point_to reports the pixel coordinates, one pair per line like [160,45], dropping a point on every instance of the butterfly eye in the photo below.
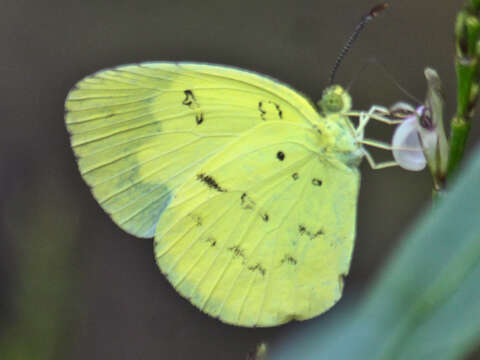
[335,99]
[406,136]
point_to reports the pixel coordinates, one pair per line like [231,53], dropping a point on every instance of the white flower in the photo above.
[407,136]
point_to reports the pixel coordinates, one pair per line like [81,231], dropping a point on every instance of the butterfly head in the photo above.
[335,99]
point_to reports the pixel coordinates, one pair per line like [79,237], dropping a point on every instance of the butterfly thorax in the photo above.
[338,133]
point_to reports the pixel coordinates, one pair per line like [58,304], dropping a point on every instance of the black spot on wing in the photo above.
[210,182]
[302,229]
[191,101]
[265,217]
[196,219]
[316,182]
[257,267]
[289,259]
[189,98]
[269,108]
[280,155]
[262,112]
[211,240]
[246,202]
[316,234]
[279,110]
[238,253]
[295,176]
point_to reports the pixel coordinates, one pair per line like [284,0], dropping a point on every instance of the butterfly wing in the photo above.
[140,131]
[263,231]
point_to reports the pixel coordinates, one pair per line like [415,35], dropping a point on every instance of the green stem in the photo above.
[460,129]
[467,31]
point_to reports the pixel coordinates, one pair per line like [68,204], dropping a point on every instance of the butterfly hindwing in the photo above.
[140,131]
[263,231]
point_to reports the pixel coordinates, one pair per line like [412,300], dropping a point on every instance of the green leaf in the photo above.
[426,303]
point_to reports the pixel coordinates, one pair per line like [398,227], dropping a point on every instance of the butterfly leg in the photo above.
[378,144]
[384,146]
[374,165]
[376,112]
[381,113]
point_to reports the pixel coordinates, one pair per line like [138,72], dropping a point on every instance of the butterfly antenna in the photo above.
[364,21]
[374,61]
[397,83]
[357,74]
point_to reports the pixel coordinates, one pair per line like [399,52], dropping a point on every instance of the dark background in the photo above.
[72,284]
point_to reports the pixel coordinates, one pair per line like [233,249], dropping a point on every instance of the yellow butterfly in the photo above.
[249,188]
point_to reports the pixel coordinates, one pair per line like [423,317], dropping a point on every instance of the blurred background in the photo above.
[72,284]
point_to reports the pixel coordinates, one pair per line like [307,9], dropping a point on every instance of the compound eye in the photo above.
[334,103]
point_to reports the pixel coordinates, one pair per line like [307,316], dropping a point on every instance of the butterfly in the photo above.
[248,188]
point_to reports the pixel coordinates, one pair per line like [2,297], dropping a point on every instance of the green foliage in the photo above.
[42,316]
[426,303]
[467,58]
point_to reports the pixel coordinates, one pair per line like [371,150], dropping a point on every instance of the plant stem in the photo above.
[467,30]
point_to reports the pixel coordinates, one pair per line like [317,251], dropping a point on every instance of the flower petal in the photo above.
[406,136]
